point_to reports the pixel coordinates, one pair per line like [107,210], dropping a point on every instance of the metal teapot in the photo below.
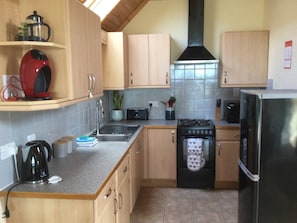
[37,29]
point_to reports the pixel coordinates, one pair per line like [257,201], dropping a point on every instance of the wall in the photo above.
[281,20]
[171,16]
[196,95]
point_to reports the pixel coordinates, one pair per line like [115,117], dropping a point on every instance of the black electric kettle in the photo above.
[37,29]
[34,165]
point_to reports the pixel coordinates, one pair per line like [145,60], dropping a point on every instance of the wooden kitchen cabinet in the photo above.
[244,59]
[123,192]
[136,169]
[104,205]
[85,51]
[161,154]
[227,155]
[115,61]
[15,12]
[149,60]
[66,50]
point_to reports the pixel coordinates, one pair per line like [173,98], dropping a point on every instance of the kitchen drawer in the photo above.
[228,134]
[105,195]
[122,170]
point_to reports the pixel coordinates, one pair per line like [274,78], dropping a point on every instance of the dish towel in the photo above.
[195,155]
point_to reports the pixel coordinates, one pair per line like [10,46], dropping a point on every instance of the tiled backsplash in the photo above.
[195,87]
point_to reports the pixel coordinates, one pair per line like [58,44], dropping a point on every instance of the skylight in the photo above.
[101,7]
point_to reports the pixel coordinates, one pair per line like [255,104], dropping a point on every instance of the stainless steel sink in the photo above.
[115,133]
[113,137]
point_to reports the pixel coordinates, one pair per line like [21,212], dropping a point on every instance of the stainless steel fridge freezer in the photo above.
[268,156]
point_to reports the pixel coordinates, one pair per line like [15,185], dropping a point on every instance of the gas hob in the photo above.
[198,123]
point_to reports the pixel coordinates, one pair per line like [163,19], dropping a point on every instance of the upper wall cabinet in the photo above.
[64,86]
[85,51]
[149,60]
[115,61]
[244,59]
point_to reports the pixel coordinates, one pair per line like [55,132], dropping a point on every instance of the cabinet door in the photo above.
[115,52]
[138,60]
[244,58]
[162,154]
[95,51]
[227,155]
[136,170]
[159,59]
[123,193]
[105,203]
[78,50]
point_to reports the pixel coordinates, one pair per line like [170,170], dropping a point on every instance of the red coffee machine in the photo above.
[35,75]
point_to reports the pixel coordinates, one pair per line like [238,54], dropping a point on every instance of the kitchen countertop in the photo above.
[85,171]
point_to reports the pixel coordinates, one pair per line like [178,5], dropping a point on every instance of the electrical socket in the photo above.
[154,103]
[31,137]
[8,150]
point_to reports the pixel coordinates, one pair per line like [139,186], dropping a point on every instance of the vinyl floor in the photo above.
[179,205]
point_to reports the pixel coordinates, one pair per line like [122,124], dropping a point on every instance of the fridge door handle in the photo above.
[252,177]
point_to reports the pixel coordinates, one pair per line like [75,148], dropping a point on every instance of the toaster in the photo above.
[137,114]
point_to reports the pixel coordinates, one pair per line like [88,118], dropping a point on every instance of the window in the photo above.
[100,7]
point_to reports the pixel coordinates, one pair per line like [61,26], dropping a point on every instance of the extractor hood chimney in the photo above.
[195,49]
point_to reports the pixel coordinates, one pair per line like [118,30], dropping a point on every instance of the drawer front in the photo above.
[106,194]
[229,135]
[122,170]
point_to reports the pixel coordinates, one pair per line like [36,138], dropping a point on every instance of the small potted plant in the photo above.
[22,34]
[117,112]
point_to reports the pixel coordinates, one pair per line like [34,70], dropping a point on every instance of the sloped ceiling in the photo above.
[121,15]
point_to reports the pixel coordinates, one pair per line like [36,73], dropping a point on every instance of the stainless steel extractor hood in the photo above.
[195,50]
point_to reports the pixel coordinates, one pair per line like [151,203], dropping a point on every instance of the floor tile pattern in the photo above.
[179,205]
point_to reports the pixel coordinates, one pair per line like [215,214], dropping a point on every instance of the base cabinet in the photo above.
[136,169]
[122,192]
[105,203]
[227,155]
[161,154]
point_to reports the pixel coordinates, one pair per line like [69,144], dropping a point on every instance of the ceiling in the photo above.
[121,14]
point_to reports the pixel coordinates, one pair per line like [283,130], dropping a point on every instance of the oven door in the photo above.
[202,178]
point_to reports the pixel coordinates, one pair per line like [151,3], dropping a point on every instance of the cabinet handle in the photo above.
[131,78]
[219,149]
[125,169]
[236,136]
[173,136]
[120,201]
[225,77]
[92,81]
[167,78]
[108,194]
[115,206]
